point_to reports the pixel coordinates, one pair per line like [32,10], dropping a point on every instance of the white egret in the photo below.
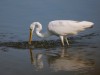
[61,28]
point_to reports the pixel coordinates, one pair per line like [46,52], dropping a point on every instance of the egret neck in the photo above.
[43,35]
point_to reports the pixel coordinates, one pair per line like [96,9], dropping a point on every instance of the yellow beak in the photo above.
[30,36]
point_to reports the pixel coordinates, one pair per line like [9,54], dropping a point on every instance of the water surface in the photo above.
[48,57]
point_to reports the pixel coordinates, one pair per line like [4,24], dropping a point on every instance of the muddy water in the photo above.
[48,56]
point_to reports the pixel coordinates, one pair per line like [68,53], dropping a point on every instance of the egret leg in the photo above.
[62,40]
[67,41]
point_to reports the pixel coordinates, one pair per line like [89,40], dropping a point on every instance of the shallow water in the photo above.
[47,56]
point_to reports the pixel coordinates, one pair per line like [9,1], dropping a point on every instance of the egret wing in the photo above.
[63,27]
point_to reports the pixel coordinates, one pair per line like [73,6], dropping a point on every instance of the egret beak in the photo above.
[30,37]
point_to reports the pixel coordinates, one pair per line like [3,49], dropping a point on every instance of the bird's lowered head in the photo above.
[32,27]
[37,25]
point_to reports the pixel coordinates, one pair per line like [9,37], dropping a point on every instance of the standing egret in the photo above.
[61,28]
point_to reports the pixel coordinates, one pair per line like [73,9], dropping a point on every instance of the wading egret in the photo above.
[60,28]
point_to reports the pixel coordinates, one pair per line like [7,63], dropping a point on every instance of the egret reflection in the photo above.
[36,59]
[60,59]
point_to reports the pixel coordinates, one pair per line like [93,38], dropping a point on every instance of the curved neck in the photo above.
[38,31]
[43,35]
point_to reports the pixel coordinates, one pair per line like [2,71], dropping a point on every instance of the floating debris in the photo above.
[35,44]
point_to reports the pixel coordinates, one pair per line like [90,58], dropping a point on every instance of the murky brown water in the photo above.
[47,56]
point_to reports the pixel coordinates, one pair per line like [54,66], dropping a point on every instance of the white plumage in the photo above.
[66,27]
[61,28]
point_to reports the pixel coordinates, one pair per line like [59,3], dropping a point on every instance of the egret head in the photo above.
[32,27]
